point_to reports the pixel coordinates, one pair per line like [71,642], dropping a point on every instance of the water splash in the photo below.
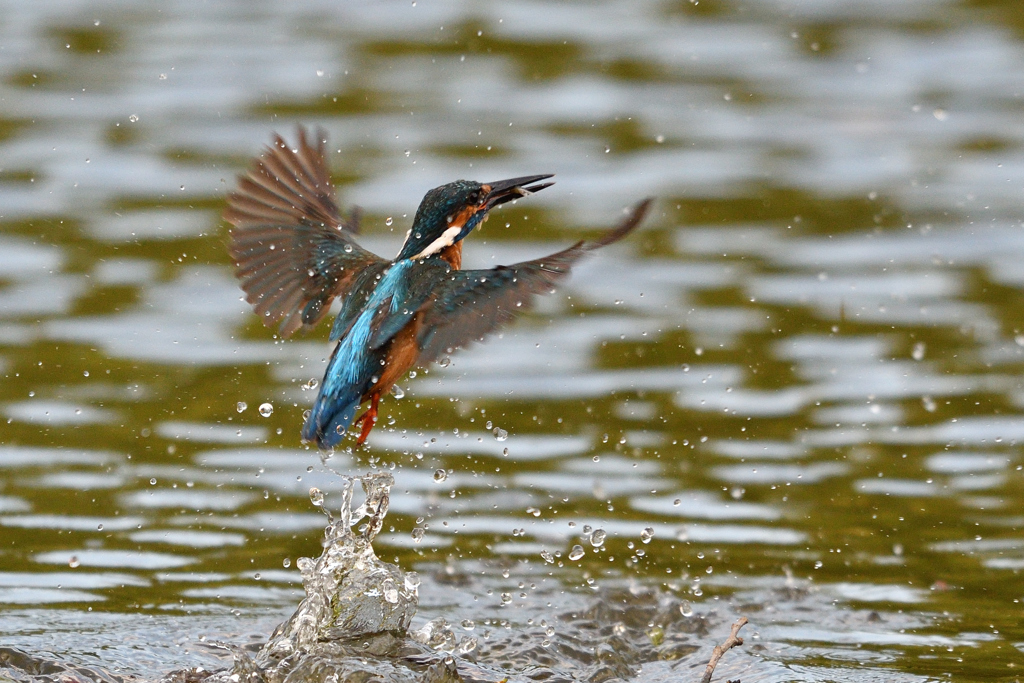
[350,593]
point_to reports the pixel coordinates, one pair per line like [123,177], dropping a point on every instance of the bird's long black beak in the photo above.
[506,190]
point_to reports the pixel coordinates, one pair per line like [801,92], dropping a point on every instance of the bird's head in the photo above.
[450,212]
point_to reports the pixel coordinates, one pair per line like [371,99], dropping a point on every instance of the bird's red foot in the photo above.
[368,420]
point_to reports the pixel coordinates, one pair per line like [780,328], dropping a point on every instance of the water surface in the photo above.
[802,374]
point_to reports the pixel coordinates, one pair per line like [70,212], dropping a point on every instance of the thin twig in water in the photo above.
[732,641]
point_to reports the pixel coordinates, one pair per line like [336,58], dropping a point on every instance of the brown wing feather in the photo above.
[293,251]
[472,303]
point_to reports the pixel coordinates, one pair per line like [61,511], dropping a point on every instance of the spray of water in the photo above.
[350,593]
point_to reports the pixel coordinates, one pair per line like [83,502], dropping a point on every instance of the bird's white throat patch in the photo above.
[446,239]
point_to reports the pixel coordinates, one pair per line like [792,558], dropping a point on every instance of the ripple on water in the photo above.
[860,413]
[744,402]
[873,592]
[520,447]
[20,258]
[125,271]
[188,539]
[155,224]
[132,559]
[703,505]
[260,522]
[907,488]
[211,433]
[53,295]
[258,595]
[42,596]
[58,413]
[187,499]
[73,522]
[28,457]
[612,463]
[75,579]
[591,384]
[772,473]
[963,462]
[284,459]
[14,504]
[774,450]
[574,483]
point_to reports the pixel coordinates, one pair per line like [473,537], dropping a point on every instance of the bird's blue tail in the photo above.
[329,420]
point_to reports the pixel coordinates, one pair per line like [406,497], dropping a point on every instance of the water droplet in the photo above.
[390,591]
[313,383]
[417,534]
[99,527]
[646,535]
[533,511]
[918,351]
[73,561]
[597,537]
[316,496]
[546,556]
[506,598]
[929,404]
[163,77]
[468,624]
[397,391]
[257,576]
[737,492]
[347,248]
[445,362]
[685,608]
[412,581]
[133,118]
[576,552]
[152,482]
[619,628]
[241,406]
[389,220]
[499,434]
[407,152]
[660,139]
[440,475]
[287,563]
[266,410]
[305,414]
[320,73]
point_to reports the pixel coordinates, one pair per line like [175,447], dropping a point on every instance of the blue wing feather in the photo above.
[388,303]
[416,284]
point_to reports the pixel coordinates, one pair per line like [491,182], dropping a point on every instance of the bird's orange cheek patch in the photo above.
[463,215]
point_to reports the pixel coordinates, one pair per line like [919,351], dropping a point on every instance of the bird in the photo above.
[295,253]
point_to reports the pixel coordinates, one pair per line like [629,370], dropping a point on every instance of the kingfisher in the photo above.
[295,253]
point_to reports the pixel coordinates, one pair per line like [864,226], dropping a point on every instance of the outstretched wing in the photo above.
[472,303]
[293,251]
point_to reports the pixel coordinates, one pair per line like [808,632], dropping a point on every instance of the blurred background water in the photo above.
[802,374]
